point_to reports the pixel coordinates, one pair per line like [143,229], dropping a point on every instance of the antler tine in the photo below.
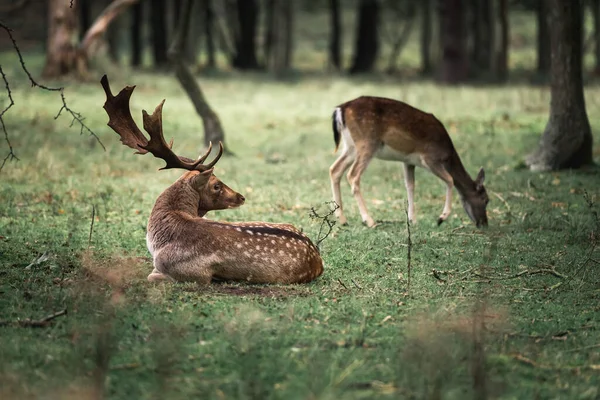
[201,158]
[213,162]
[120,119]
[157,145]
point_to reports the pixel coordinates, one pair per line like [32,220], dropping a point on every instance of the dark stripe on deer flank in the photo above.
[265,230]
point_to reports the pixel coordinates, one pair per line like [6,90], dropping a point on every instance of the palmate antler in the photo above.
[121,121]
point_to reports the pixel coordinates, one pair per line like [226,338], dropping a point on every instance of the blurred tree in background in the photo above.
[450,41]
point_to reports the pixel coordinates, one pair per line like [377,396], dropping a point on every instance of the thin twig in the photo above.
[37,323]
[325,221]
[502,200]
[92,225]
[356,284]
[77,117]
[342,283]
[550,271]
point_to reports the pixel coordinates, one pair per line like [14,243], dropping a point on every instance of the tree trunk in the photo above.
[483,33]
[367,41]
[426,35]
[502,59]
[209,18]
[567,139]
[595,5]
[137,24]
[213,131]
[543,39]
[398,43]
[269,29]
[85,17]
[454,68]
[61,52]
[158,19]
[335,39]
[280,37]
[245,41]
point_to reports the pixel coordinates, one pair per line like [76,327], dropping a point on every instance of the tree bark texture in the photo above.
[595,5]
[543,38]
[213,131]
[280,37]
[426,35]
[335,38]
[567,138]
[137,24]
[61,51]
[483,33]
[158,19]
[245,40]
[454,63]
[367,41]
[502,54]
[209,18]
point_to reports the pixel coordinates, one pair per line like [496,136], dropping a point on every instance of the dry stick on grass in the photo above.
[77,117]
[92,225]
[527,361]
[324,221]
[408,250]
[36,323]
[343,284]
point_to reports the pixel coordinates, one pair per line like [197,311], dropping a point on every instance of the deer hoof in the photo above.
[440,220]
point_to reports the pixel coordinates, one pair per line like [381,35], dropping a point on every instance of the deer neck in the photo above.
[462,180]
[179,197]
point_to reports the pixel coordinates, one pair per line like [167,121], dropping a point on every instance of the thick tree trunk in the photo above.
[567,139]
[245,41]
[426,35]
[280,37]
[158,18]
[502,59]
[61,52]
[213,131]
[209,17]
[367,41]
[543,38]
[335,38]
[137,24]
[454,68]
[483,30]
[595,5]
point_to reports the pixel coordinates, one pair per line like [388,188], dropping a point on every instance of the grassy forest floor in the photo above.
[516,305]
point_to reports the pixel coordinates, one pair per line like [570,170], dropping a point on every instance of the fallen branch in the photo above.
[36,323]
[529,362]
[550,271]
[356,284]
[343,284]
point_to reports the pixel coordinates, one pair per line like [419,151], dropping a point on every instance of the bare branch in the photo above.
[77,117]
[36,323]
[332,206]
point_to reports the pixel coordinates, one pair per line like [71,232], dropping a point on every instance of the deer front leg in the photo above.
[409,181]
[157,276]
[354,175]
[336,171]
[441,173]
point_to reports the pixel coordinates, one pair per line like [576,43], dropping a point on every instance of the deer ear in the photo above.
[201,179]
[480,178]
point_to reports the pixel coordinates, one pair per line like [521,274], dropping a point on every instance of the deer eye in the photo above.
[217,187]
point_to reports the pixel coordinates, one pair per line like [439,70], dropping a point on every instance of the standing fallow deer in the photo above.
[392,130]
[187,247]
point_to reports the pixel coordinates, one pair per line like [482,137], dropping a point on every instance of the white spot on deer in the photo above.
[250,232]
[238,245]
[257,247]
[281,252]
[287,244]
[272,250]
[259,234]
[238,229]
[272,242]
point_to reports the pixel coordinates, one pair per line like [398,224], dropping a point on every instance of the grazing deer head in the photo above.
[187,247]
[392,130]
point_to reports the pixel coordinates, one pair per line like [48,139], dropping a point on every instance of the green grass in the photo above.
[358,331]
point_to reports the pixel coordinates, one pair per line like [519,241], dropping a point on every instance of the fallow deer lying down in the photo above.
[392,130]
[187,247]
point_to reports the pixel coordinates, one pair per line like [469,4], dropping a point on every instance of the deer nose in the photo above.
[242,198]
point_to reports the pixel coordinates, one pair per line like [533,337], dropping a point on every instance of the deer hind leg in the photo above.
[409,181]
[157,276]
[443,174]
[356,170]
[336,171]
